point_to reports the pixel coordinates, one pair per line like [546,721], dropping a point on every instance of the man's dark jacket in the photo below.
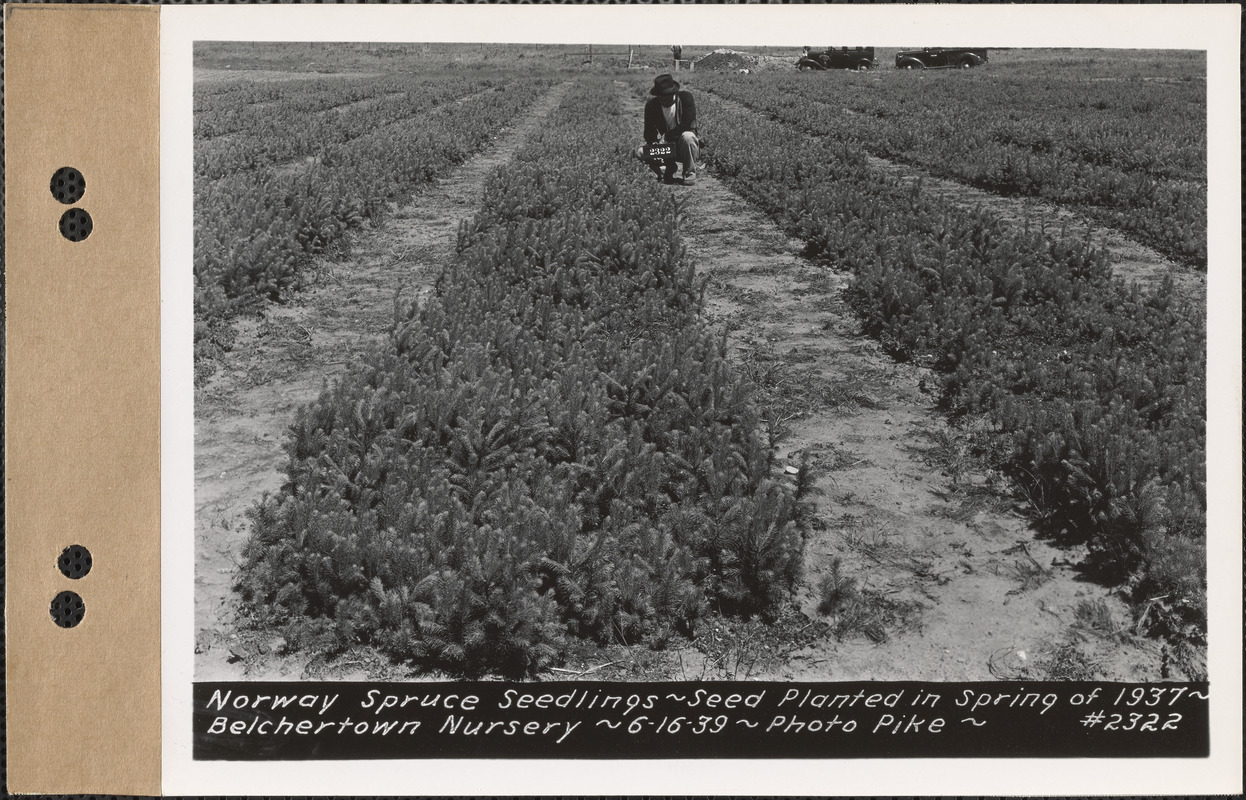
[655,120]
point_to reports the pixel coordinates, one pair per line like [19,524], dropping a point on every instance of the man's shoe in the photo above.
[690,179]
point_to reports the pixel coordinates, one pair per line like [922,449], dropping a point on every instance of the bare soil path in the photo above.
[283,360]
[949,581]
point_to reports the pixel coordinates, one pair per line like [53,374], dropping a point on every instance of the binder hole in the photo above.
[75,561]
[67,609]
[68,185]
[75,225]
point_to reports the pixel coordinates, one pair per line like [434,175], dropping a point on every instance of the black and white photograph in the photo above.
[700,361]
[889,365]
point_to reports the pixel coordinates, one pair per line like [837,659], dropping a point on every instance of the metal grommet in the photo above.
[75,225]
[67,609]
[75,561]
[68,185]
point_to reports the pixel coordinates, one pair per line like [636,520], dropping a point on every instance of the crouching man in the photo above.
[671,116]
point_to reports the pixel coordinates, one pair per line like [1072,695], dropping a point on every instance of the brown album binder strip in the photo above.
[82,401]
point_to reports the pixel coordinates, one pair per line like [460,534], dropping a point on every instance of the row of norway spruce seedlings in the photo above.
[551,448]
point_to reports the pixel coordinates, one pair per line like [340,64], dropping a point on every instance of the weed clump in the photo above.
[1065,662]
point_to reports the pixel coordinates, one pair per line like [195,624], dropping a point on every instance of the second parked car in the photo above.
[941,58]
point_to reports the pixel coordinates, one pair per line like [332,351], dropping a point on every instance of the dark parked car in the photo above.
[941,58]
[858,58]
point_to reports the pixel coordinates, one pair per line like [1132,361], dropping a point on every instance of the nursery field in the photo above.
[476,396]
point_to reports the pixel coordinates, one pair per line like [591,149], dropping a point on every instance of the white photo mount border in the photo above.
[1213,29]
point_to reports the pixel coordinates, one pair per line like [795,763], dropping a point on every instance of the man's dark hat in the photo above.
[664,84]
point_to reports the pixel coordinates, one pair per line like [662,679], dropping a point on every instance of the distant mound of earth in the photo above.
[724,59]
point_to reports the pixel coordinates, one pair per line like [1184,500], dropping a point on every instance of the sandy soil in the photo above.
[282,361]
